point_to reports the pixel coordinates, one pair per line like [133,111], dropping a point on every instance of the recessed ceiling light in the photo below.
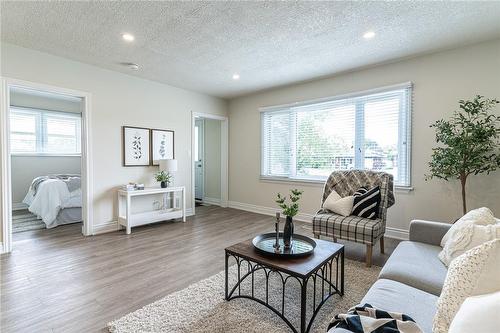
[130,65]
[369,35]
[236,76]
[128,37]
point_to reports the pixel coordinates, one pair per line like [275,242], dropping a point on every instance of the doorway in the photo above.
[209,160]
[45,156]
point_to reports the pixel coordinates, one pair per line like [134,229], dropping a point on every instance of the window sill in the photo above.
[44,155]
[317,182]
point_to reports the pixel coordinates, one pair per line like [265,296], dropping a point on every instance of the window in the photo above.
[34,131]
[309,140]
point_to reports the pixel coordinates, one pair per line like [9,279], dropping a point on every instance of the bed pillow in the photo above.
[475,272]
[335,203]
[478,314]
[367,202]
[480,216]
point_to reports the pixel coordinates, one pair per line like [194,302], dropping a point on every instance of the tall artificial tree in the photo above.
[469,143]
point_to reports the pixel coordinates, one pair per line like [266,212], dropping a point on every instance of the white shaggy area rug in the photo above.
[201,306]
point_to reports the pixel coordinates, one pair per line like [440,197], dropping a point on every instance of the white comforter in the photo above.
[52,195]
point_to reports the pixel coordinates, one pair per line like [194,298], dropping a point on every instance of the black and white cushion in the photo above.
[367,319]
[367,202]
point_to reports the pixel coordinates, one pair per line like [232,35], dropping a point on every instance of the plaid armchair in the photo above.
[355,228]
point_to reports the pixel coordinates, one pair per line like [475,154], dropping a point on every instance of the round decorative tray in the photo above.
[301,245]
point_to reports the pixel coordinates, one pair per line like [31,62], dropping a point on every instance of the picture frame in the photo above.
[162,145]
[136,146]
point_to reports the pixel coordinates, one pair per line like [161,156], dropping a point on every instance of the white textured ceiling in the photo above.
[199,45]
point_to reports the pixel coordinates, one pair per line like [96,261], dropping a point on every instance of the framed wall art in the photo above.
[136,146]
[162,145]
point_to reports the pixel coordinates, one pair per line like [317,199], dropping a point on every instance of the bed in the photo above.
[56,199]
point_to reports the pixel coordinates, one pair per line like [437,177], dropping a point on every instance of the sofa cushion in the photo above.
[417,265]
[351,228]
[394,296]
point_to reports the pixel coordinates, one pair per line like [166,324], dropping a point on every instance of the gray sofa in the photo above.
[412,279]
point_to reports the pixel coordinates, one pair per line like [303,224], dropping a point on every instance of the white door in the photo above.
[198,159]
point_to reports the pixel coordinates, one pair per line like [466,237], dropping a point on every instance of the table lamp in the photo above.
[169,166]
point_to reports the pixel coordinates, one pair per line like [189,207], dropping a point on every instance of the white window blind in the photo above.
[309,140]
[34,131]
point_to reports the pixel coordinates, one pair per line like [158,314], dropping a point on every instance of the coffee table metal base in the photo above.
[329,277]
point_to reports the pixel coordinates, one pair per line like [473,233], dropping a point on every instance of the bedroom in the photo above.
[45,142]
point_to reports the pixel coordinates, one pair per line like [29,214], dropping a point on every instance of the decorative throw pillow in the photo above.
[367,202]
[467,238]
[478,314]
[335,203]
[481,216]
[463,236]
[475,272]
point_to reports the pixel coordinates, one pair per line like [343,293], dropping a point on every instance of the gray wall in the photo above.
[117,99]
[25,168]
[28,99]
[440,80]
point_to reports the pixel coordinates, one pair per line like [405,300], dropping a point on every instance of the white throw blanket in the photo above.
[52,195]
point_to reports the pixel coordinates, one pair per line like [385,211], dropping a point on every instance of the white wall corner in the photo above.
[2,250]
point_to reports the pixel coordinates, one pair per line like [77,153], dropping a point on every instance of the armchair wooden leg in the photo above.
[369,250]
[382,249]
[335,239]
[316,236]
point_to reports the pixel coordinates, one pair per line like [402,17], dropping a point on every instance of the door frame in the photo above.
[201,136]
[224,156]
[5,157]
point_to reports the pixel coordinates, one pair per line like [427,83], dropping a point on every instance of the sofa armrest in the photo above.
[428,231]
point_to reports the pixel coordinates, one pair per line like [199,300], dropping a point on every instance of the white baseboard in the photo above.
[267,210]
[389,232]
[396,233]
[113,225]
[19,206]
[212,201]
[105,227]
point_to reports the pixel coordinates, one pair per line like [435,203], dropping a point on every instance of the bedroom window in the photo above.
[34,131]
[309,140]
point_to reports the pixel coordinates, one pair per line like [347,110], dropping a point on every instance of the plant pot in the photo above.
[288,232]
[163,184]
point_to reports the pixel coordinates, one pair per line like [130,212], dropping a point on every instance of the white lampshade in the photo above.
[168,165]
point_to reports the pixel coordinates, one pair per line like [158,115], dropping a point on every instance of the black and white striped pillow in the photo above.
[367,202]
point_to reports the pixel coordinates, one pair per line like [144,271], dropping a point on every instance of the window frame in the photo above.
[404,132]
[41,131]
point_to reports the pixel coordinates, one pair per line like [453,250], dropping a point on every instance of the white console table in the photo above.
[128,219]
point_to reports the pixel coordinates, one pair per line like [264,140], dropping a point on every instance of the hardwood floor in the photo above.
[59,281]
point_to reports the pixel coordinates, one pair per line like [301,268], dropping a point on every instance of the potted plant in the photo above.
[289,210]
[164,178]
[469,143]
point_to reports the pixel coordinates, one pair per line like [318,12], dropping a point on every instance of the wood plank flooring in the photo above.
[59,281]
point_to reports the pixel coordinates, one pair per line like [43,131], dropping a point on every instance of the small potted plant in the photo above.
[164,178]
[289,210]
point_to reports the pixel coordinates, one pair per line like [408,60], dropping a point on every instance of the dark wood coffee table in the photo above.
[324,268]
